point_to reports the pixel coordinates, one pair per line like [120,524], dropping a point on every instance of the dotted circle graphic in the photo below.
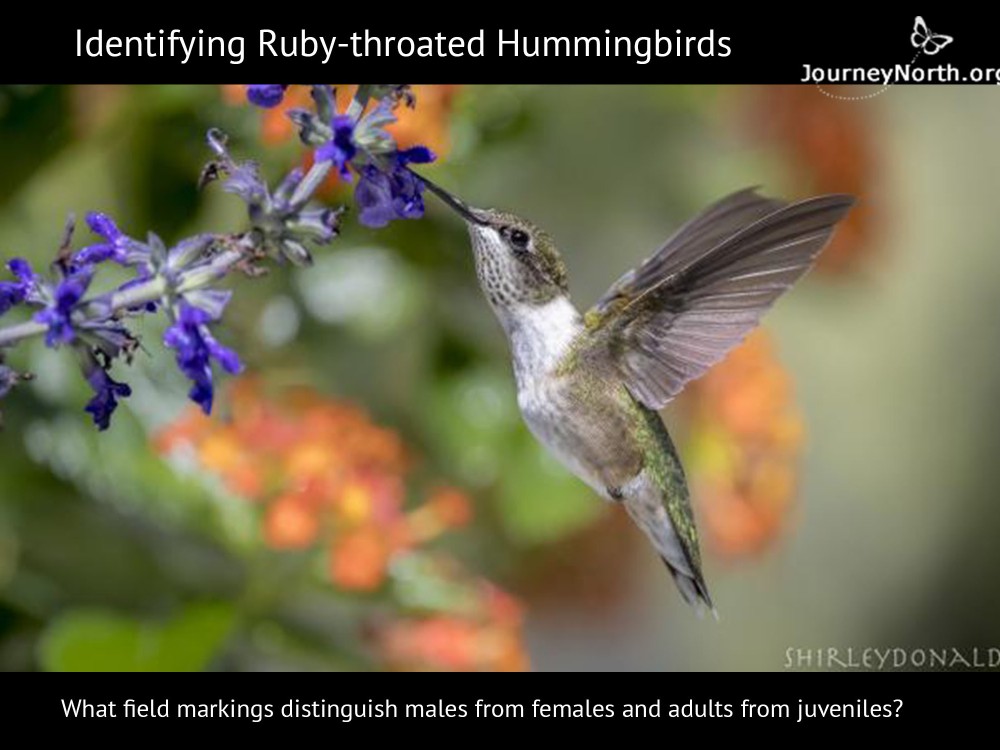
[862,97]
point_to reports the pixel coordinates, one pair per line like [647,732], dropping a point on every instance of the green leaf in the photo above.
[87,640]
[539,501]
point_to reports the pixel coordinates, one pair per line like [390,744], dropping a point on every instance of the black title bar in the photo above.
[375,705]
[506,45]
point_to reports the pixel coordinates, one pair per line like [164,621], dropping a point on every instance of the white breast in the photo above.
[540,337]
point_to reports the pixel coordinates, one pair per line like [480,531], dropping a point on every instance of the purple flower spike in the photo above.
[341,148]
[15,292]
[374,198]
[58,315]
[416,155]
[395,194]
[115,245]
[266,95]
[106,395]
[196,348]
[245,181]
[22,269]
[11,294]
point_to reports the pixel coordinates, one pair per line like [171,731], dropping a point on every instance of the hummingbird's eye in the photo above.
[518,238]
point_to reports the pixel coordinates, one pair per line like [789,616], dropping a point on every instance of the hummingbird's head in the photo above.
[516,262]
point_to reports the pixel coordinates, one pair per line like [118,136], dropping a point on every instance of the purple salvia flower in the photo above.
[212,302]
[188,252]
[415,155]
[318,224]
[284,225]
[15,292]
[58,315]
[109,337]
[244,180]
[340,149]
[24,272]
[393,194]
[116,246]
[196,348]
[374,198]
[370,133]
[106,395]
[266,95]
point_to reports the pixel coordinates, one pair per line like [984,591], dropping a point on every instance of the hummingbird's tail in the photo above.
[658,501]
[646,503]
[693,589]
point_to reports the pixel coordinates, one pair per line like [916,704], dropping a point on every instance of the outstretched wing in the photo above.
[677,314]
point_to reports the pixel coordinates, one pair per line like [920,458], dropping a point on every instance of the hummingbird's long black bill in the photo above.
[451,201]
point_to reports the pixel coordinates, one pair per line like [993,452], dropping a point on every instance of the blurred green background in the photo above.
[112,556]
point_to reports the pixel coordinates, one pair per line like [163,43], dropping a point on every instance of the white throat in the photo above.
[540,335]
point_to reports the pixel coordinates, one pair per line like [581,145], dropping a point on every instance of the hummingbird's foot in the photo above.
[615,493]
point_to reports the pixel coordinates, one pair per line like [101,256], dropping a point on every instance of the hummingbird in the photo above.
[590,385]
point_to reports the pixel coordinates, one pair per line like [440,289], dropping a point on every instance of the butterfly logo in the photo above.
[928,42]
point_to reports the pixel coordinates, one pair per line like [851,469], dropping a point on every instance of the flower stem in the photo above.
[10,335]
[140,294]
[313,179]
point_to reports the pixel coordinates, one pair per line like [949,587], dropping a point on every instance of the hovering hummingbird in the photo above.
[590,386]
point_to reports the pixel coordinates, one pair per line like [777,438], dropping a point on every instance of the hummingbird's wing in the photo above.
[666,322]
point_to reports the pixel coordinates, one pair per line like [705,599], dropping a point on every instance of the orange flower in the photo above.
[354,502]
[451,506]
[308,458]
[446,509]
[246,480]
[830,146]
[234,93]
[291,523]
[435,643]
[449,643]
[501,606]
[358,559]
[746,436]
[185,431]
[326,476]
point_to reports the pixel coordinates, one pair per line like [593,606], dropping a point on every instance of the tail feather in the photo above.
[693,589]
[657,501]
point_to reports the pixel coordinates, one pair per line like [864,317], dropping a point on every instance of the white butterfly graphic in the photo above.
[928,42]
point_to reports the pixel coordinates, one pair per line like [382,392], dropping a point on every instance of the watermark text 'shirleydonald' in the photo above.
[880,659]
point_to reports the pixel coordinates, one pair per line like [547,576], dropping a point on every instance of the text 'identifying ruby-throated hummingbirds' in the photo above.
[590,386]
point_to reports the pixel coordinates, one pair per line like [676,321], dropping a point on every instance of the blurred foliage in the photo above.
[114,555]
[94,641]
